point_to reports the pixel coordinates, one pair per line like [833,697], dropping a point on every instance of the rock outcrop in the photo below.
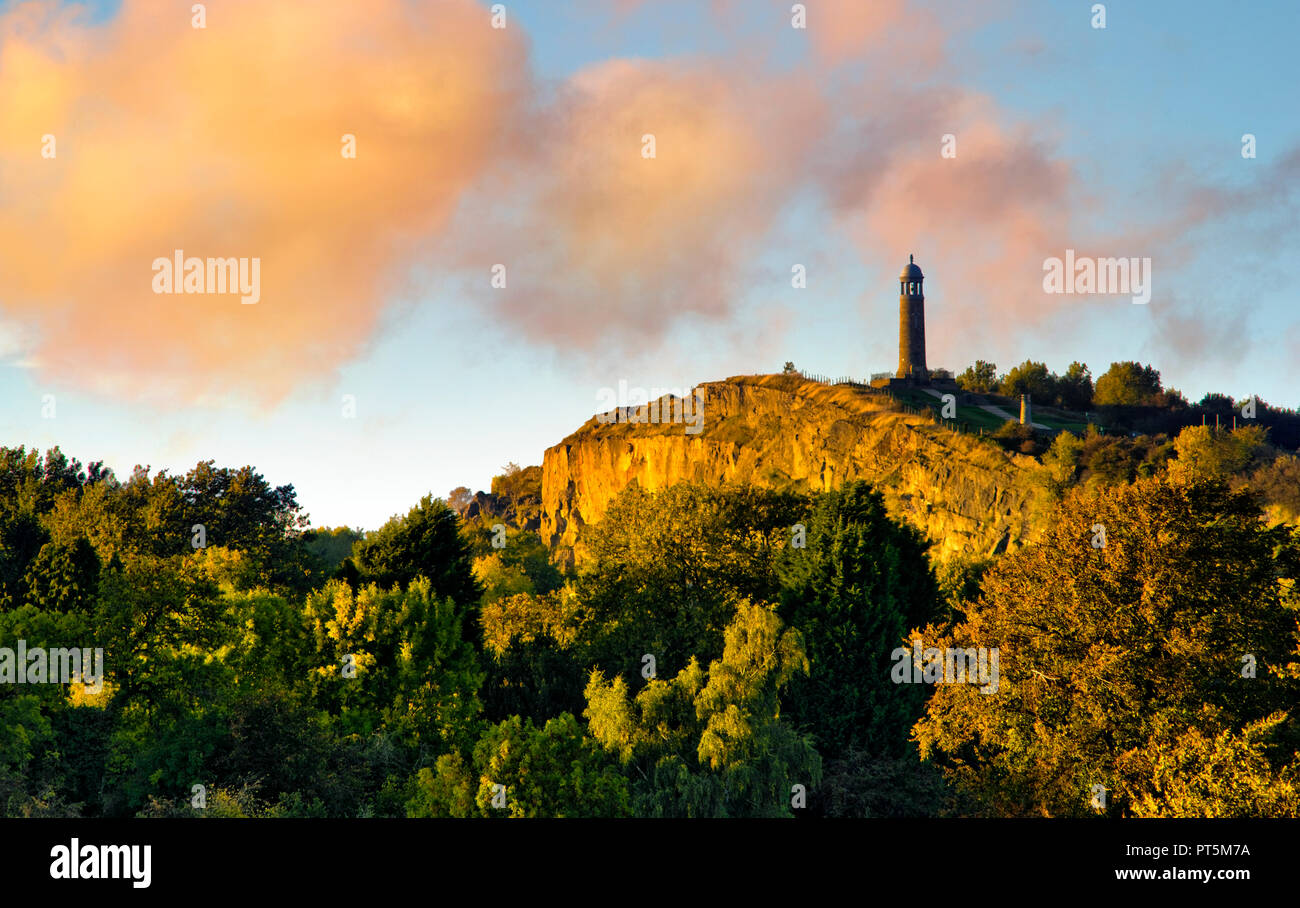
[781,431]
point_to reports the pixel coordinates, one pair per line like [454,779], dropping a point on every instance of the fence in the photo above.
[842,380]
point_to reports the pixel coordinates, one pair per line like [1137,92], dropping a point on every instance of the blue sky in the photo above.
[448,389]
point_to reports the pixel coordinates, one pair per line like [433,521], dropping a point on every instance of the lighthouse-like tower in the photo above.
[911,324]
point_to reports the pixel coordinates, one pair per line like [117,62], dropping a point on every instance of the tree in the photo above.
[64,577]
[1015,436]
[522,565]
[666,569]
[412,670]
[518,495]
[1029,378]
[854,592]
[1060,467]
[160,617]
[1074,389]
[22,539]
[30,481]
[425,543]
[1129,632]
[533,667]
[861,784]
[1128,384]
[459,498]
[980,378]
[557,770]
[1210,770]
[1116,459]
[331,546]
[1208,453]
[712,744]
[1279,482]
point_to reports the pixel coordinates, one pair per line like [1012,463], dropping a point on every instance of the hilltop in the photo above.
[787,432]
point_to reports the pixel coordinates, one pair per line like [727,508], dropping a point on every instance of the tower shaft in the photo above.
[911,333]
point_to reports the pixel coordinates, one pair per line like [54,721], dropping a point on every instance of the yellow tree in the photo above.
[1152,619]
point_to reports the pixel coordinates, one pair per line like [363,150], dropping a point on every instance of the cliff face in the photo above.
[784,432]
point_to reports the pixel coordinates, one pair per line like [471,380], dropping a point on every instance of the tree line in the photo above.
[718,651]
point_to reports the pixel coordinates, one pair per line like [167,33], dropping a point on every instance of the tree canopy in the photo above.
[1154,625]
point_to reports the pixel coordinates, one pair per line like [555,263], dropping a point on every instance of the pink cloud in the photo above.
[604,244]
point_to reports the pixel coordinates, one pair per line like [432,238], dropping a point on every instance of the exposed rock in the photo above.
[781,431]
[515,512]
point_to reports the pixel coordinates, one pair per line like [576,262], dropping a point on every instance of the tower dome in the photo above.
[911,271]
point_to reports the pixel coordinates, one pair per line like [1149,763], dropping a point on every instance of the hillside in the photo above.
[782,431]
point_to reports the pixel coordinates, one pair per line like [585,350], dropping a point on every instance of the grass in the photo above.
[974,417]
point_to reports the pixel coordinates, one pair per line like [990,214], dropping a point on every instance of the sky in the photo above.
[383,359]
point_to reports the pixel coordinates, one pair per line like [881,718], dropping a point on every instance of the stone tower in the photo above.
[911,324]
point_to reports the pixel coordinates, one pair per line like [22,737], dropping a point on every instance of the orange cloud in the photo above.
[226,141]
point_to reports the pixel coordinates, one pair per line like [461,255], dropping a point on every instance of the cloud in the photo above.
[604,244]
[845,30]
[1241,237]
[225,141]
[981,223]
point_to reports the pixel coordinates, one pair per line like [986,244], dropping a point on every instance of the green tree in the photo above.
[1029,378]
[160,617]
[396,659]
[22,538]
[534,670]
[64,577]
[854,592]
[557,770]
[1074,389]
[515,500]
[447,790]
[523,565]
[1128,384]
[712,743]
[427,542]
[331,546]
[1060,468]
[980,378]
[666,568]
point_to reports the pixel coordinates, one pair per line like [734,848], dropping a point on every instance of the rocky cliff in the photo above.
[785,432]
